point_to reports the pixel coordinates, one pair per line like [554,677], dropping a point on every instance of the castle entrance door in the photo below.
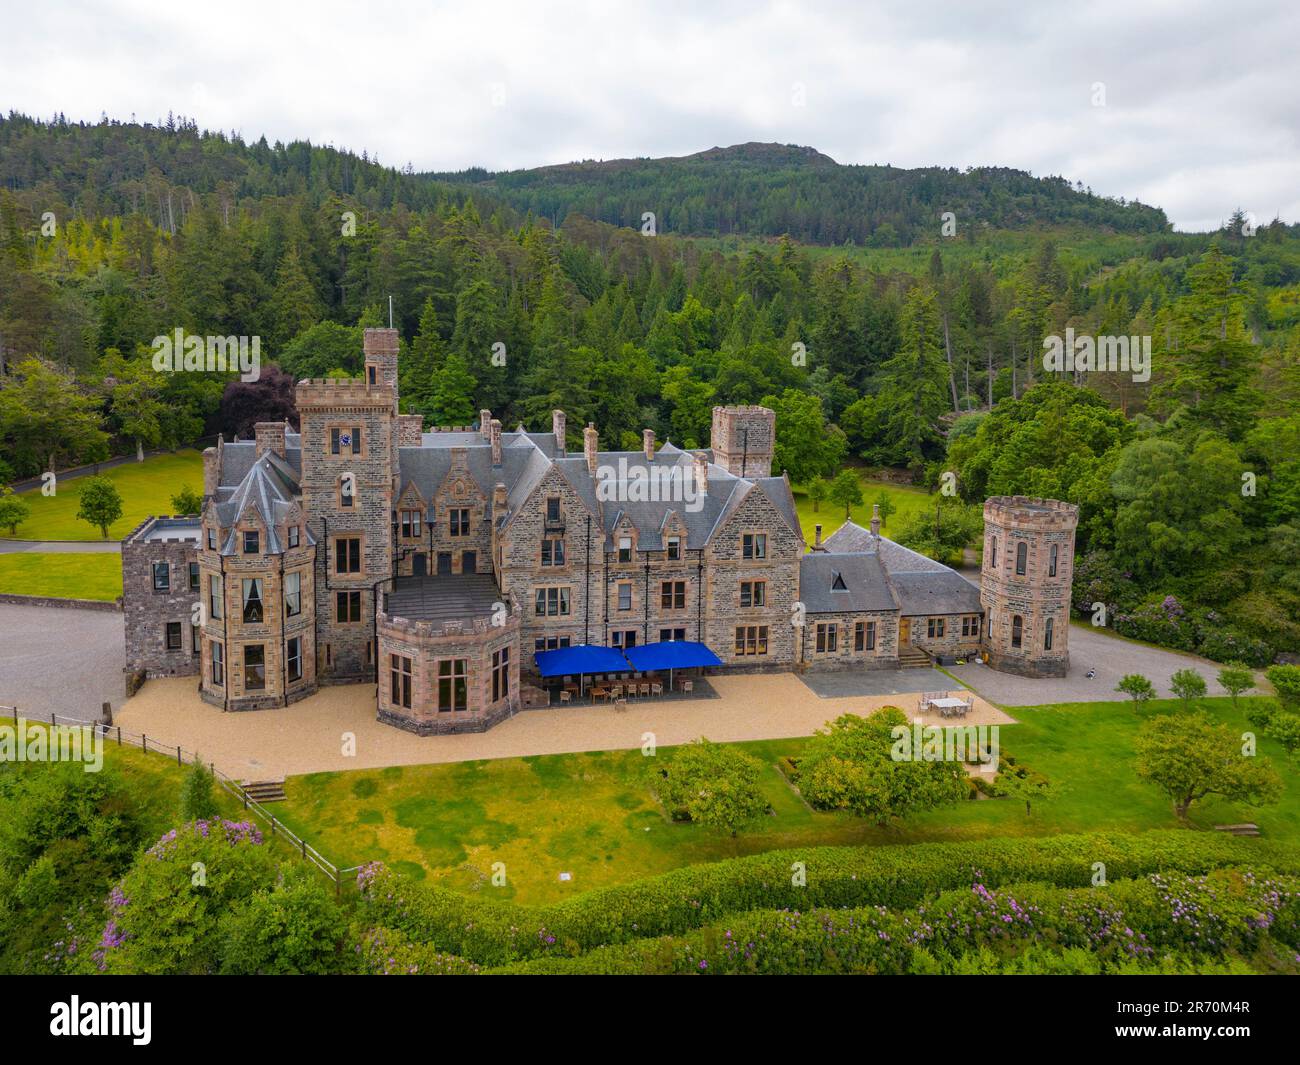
[904,632]
[420,564]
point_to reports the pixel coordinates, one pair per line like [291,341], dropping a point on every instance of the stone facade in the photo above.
[437,564]
[158,604]
[1025,584]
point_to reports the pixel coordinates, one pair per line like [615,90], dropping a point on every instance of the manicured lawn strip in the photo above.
[909,501]
[146,488]
[592,815]
[95,575]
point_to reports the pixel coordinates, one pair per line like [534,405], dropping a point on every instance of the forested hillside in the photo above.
[1189,482]
[773,189]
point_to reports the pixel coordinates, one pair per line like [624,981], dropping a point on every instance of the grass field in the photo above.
[592,815]
[95,575]
[146,488]
[909,501]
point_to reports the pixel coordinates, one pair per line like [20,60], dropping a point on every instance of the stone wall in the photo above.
[146,613]
[883,656]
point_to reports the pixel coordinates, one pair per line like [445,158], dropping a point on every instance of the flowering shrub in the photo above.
[496,933]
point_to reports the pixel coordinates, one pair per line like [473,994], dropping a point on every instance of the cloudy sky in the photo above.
[1192,106]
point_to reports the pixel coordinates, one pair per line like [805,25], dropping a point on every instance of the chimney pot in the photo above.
[875,519]
[648,442]
[817,535]
[557,428]
[591,447]
[495,437]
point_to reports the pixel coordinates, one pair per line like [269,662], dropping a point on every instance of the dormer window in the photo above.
[625,549]
[293,535]
[674,550]
[212,539]
[252,542]
[838,585]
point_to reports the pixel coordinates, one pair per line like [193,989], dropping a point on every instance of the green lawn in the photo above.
[592,815]
[146,488]
[909,501]
[95,575]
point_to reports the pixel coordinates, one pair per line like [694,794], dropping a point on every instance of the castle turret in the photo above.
[743,439]
[1025,584]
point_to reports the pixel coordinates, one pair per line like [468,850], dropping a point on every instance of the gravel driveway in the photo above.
[60,659]
[1111,656]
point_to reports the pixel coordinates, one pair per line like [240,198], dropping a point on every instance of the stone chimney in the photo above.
[591,447]
[269,437]
[410,430]
[700,465]
[875,520]
[494,435]
[485,423]
[648,443]
[817,537]
[211,471]
[498,501]
[557,429]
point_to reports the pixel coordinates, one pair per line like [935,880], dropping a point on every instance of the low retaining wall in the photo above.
[114,606]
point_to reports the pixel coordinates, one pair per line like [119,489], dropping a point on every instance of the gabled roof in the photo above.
[269,488]
[934,592]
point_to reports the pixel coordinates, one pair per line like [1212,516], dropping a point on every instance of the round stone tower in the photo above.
[1025,584]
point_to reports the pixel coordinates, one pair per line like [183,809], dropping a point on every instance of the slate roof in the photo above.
[917,584]
[445,598]
[269,485]
[865,587]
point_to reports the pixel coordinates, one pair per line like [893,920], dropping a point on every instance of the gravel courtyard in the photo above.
[309,736]
[61,660]
[1111,656]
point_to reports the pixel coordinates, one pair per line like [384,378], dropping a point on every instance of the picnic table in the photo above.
[949,707]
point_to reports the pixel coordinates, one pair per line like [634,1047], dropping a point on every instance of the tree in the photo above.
[1025,786]
[293,928]
[887,506]
[914,384]
[1190,756]
[846,491]
[187,501]
[452,401]
[1285,728]
[817,491]
[850,766]
[268,399]
[45,418]
[1187,684]
[1235,678]
[13,510]
[805,444]
[197,799]
[1136,687]
[101,504]
[715,784]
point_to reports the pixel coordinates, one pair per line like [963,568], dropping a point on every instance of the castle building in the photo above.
[436,565]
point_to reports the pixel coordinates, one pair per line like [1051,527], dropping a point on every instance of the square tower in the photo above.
[743,440]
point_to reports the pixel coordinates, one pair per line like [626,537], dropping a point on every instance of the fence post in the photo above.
[144,742]
[51,721]
[178,754]
[119,735]
[304,848]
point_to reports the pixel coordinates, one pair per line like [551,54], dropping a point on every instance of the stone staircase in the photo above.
[264,790]
[913,658]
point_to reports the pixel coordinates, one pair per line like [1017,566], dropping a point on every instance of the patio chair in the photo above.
[656,689]
[566,695]
[644,687]
[688,685]
[620,706]
[616,691]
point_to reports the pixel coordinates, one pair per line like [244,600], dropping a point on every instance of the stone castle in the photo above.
[436,565]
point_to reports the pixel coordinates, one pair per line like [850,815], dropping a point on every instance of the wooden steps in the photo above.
[264,790]
[1247,829]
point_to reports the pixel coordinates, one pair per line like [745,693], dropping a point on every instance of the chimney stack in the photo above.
[211,471]
[498,501]
[875,520]
[817,537]
[269,437]
[557,428]
[700,464]
[648,443]
[485,424]
[590,446]
[495,437]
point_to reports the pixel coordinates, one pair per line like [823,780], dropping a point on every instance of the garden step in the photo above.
[1247,829]
[264,790]
[912,658]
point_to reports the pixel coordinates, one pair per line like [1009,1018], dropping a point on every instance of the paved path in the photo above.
[1110,655]
[61,547]
[309,736]
[60,659]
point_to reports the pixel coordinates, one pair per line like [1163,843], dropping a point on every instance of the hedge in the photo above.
[489,932]
[1160,923]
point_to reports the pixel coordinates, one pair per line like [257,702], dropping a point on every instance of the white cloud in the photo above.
[1200,115]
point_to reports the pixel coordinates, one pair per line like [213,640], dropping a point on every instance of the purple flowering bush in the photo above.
[164,914]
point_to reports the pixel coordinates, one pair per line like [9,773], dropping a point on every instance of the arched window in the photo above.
[993,551]
[1022,557]
[1017,630]
[1047,635]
